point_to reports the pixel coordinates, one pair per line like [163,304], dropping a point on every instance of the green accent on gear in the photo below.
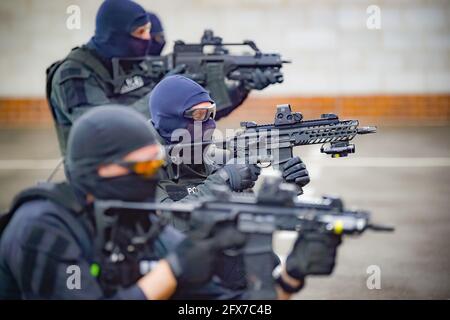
[95,270]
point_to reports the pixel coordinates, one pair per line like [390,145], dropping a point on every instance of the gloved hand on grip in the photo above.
[193,261]
[260,79]
[295,171]
[314,253]
[240,176]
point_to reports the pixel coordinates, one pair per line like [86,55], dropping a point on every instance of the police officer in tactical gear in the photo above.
[50,229]
[87,77]
[180,105]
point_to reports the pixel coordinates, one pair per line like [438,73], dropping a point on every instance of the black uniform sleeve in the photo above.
[51,265]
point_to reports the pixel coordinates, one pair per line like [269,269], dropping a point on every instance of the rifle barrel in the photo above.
[367,130]
[380,227]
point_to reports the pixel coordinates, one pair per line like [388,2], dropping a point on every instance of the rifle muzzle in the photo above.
[367,130]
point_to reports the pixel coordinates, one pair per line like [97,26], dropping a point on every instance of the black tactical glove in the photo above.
[314,253]
[260,79]
[192,262]
[240,176]
[295,171]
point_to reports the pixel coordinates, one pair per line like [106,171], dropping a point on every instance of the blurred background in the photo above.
[385,62]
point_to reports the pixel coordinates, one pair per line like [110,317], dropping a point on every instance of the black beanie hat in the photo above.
[103,135]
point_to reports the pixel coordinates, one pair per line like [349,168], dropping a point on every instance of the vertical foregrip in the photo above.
[259,262]
[280,156]
[283,156]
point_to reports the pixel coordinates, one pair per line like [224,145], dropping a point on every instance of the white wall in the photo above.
[332,49]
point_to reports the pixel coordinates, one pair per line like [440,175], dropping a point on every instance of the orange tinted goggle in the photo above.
[144,168]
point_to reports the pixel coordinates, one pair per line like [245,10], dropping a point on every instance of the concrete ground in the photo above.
[400,174]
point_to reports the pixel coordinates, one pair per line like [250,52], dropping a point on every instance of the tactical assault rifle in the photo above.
[273,143]
[274,207]
[209,63]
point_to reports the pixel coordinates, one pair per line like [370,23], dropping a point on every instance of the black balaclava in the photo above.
[103,135]
[168,101]
[157,41]
[115,21]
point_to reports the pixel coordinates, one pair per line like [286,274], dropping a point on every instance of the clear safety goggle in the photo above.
[201,114]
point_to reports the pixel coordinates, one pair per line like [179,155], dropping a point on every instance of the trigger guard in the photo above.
[262,166]
[233,252]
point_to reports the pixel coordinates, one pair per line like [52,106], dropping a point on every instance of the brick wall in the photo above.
[387,110]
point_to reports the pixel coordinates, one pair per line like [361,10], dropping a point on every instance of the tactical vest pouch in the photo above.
[59,246]
[84,57]
[73,73]
[176,193]
[61,194]
[181,189]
